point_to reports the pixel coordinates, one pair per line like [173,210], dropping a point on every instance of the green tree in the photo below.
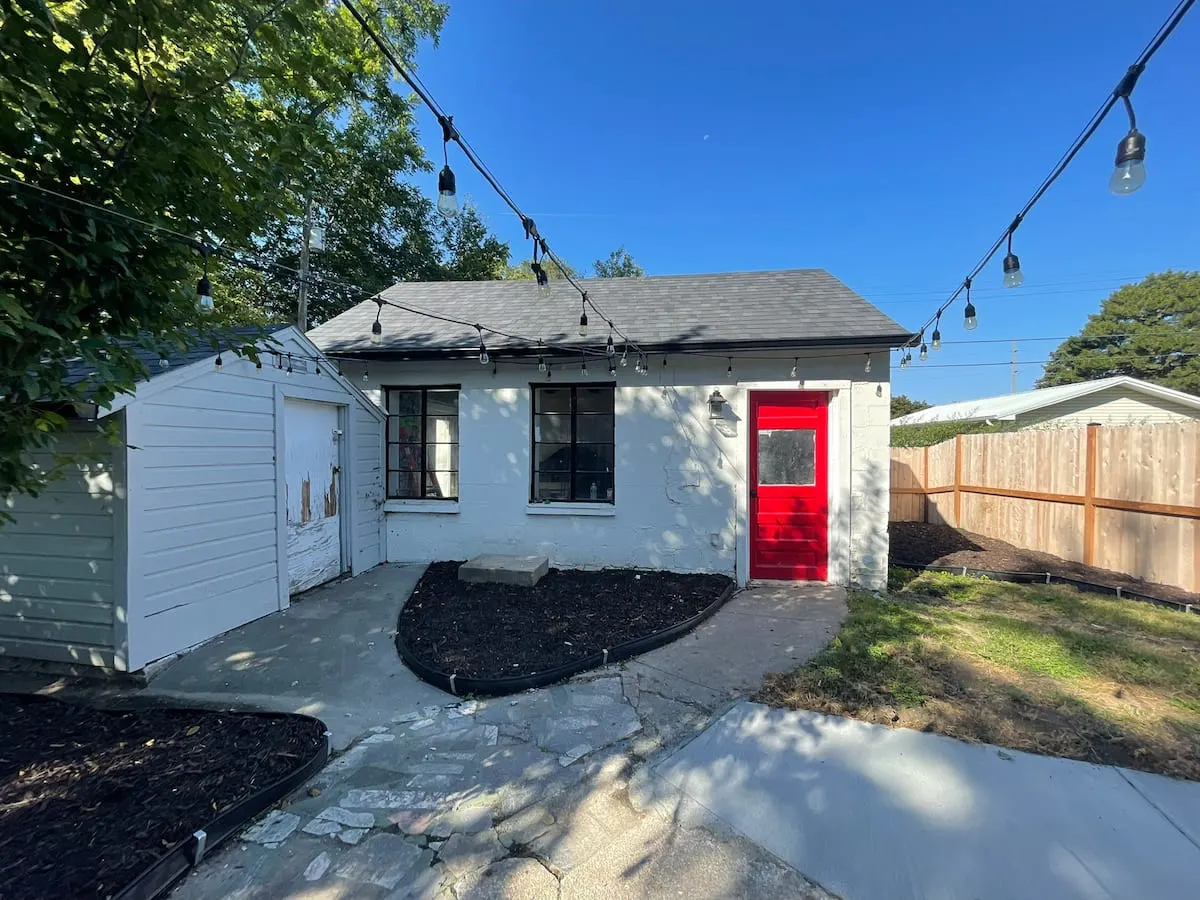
[902,405]
[1150,330]
[212,117]
[619,264]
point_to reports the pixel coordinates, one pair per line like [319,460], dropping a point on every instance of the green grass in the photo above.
[1036,667]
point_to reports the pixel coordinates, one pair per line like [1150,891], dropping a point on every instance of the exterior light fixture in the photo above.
[1130,171]
[716,405]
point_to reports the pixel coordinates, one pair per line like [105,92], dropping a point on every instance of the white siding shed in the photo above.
[200,518]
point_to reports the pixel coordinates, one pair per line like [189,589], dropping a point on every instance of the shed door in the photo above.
[314,532]
[789,485]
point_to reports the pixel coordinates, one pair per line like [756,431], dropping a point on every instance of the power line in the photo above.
[1121,93]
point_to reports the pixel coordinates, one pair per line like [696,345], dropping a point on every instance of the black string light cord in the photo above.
[450,133]
[1120,94]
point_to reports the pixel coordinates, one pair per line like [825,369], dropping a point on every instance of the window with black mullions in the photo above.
[573,443]
[422,443]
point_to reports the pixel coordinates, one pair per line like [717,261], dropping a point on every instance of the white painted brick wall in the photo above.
[680,478]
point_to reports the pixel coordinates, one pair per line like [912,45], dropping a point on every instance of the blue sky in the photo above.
[888,143]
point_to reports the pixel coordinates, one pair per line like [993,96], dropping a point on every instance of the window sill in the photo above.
[421,506]
[570,509]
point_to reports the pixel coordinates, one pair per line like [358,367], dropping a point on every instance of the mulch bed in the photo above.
[502,631]
[88,799]
[940,545]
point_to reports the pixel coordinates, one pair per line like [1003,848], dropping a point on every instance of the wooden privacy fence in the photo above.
[1124,498]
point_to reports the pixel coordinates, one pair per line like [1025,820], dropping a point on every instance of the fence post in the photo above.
[958,481]
[1089,494]
[925,487]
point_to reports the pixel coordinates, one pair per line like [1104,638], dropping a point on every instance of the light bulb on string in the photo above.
[625,355]
[867,367]
[376,332]
[366,376]
[204,297]
[1130,171]
[924,354]
[583,323]
[541,363]
[936,340]
[729,369]
[612,370]
[484,359]
[218,361]
[164,363]
[447,203]
[289,367]
[970,320]
[795,366]
[583,368]
[1013,276]
[904,360]
[611,348]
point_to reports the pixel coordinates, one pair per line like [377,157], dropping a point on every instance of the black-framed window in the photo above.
[573,443]
[422,442]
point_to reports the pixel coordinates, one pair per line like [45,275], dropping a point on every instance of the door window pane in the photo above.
[787,456]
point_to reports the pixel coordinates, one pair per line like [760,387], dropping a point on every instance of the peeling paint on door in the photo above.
[314,534]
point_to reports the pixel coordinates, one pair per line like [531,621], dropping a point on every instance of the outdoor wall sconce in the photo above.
[716,405]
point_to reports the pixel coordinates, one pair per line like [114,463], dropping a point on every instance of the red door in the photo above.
[789,485]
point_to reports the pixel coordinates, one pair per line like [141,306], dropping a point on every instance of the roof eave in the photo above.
[875,342]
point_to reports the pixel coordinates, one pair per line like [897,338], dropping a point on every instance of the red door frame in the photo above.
[789,524]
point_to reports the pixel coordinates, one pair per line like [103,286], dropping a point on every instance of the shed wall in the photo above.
[1115,406]
[58,579]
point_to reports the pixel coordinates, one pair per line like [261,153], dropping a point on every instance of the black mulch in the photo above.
[502,631]
[88,799]
[940,545]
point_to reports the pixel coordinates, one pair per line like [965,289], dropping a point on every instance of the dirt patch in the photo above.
[502,631]
[88,799]
[924,544]
[1047,670]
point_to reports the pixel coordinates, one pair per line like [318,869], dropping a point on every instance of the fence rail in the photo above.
[1125,499]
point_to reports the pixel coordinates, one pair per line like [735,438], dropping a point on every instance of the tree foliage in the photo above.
[930,433]
[522,271]
[1149,330]
[619,264]
[216,119]
[902,405]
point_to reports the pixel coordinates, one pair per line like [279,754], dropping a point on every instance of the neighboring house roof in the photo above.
[1008,406]
[738,310]
[78,370]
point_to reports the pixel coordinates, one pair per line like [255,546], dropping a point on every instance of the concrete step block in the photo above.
[525,571]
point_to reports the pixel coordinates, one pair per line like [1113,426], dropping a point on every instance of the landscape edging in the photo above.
[451,683]
[165,871]
[1049,578]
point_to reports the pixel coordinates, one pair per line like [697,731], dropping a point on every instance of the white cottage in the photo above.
[232,487]
[751,438]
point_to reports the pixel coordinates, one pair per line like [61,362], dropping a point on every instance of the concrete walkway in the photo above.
[521,797]
[873,812]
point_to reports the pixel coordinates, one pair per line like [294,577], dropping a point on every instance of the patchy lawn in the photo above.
[1045,669]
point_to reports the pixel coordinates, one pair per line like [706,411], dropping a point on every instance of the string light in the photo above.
[289,368]
[164,363]
[795,365]
[625,355]
[729,368]
[1129,175]
[867,367]
[583,367]
[612,370]
[924,353]
[218,361]
[366,376]
[937,334]
[583,316]
[1130,171]
[611,348]
[904,360]
[447,195]
[377,326]
[970,320]
[204,297]
[1013,277]
[483,354]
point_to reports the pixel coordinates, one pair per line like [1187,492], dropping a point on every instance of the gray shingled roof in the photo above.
[795,309]
[78,370]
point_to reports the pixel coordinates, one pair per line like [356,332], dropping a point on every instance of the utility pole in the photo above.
[1014,367]
[302,309]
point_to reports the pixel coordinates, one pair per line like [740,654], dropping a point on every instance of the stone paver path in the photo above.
[540,795]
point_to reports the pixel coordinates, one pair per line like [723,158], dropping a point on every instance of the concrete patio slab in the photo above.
[330,654]
[869,812]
